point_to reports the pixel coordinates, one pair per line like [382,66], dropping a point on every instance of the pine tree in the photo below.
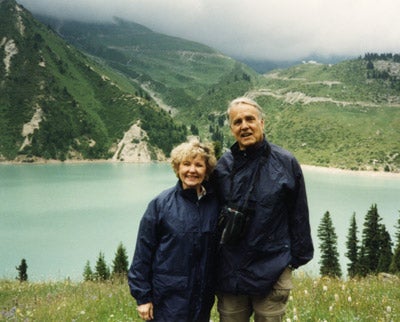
[385,250]
[352,248]
[102,270]
[395,263]
[88,273]
[120,263]
[329,255]
[371,242]
[22,271]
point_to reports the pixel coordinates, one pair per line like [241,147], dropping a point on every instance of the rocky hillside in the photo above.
[56,103]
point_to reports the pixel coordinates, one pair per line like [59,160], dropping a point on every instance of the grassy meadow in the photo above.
[375,298]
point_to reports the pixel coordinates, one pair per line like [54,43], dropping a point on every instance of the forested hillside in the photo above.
[190,80]
[61,102]
[56,103]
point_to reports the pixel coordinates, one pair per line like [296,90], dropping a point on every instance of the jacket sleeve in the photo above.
[302,249]
[140,272]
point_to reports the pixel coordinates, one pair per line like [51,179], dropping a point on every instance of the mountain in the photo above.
[57,103]
[174,71]
[344,115]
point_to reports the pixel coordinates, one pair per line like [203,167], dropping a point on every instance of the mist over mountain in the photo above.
[257,30]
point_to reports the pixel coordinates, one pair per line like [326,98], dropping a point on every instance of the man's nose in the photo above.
[244,125]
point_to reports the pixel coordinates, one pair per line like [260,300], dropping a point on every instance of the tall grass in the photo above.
[375,298]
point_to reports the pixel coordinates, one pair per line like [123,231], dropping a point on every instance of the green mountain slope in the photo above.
[56,103]
[177,70]
[344,115]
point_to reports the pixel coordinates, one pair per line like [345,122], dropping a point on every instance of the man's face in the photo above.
[246,123]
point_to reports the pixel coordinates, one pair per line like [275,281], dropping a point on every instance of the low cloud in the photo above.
[253,29]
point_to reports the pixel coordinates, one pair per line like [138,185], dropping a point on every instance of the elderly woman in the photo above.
[171,276]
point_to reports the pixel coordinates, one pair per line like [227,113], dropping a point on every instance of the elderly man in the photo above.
[265,222]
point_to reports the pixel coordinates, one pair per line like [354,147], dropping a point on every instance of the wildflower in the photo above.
[331,308]
[349,299]
[324,288]
[82,312]
[288,320]
[291,298]
[295,318]
[343,287]
[388,309]
[305,292]
[336,297]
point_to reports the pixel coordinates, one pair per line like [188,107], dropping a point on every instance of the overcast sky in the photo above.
[256,29]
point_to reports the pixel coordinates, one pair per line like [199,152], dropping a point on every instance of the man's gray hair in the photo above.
[244,100]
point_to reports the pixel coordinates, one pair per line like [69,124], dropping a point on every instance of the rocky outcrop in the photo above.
[134,147]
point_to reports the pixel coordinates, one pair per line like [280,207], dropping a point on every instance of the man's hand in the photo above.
[146,311]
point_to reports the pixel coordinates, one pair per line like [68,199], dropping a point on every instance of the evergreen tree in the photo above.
[395,263]
[88,273]
[352,248]
[22,271]
[194,129]
[329,255]
[102,271]
[120,263]
[371,242]
[385,250]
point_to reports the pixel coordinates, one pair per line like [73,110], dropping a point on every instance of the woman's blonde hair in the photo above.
[190,150]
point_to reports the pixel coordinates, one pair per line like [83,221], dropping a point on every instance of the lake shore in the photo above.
[353,172]
[303,166]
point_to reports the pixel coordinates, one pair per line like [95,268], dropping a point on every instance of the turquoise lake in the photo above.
[58,216]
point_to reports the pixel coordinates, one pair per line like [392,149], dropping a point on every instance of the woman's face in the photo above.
[192,172]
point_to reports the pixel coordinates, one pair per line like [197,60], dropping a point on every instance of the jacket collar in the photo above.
[191,194]
[259,149]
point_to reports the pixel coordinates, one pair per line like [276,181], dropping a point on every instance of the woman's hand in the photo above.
[146,311]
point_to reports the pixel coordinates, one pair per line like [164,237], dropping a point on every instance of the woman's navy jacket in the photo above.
[279,233]
[173,264]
